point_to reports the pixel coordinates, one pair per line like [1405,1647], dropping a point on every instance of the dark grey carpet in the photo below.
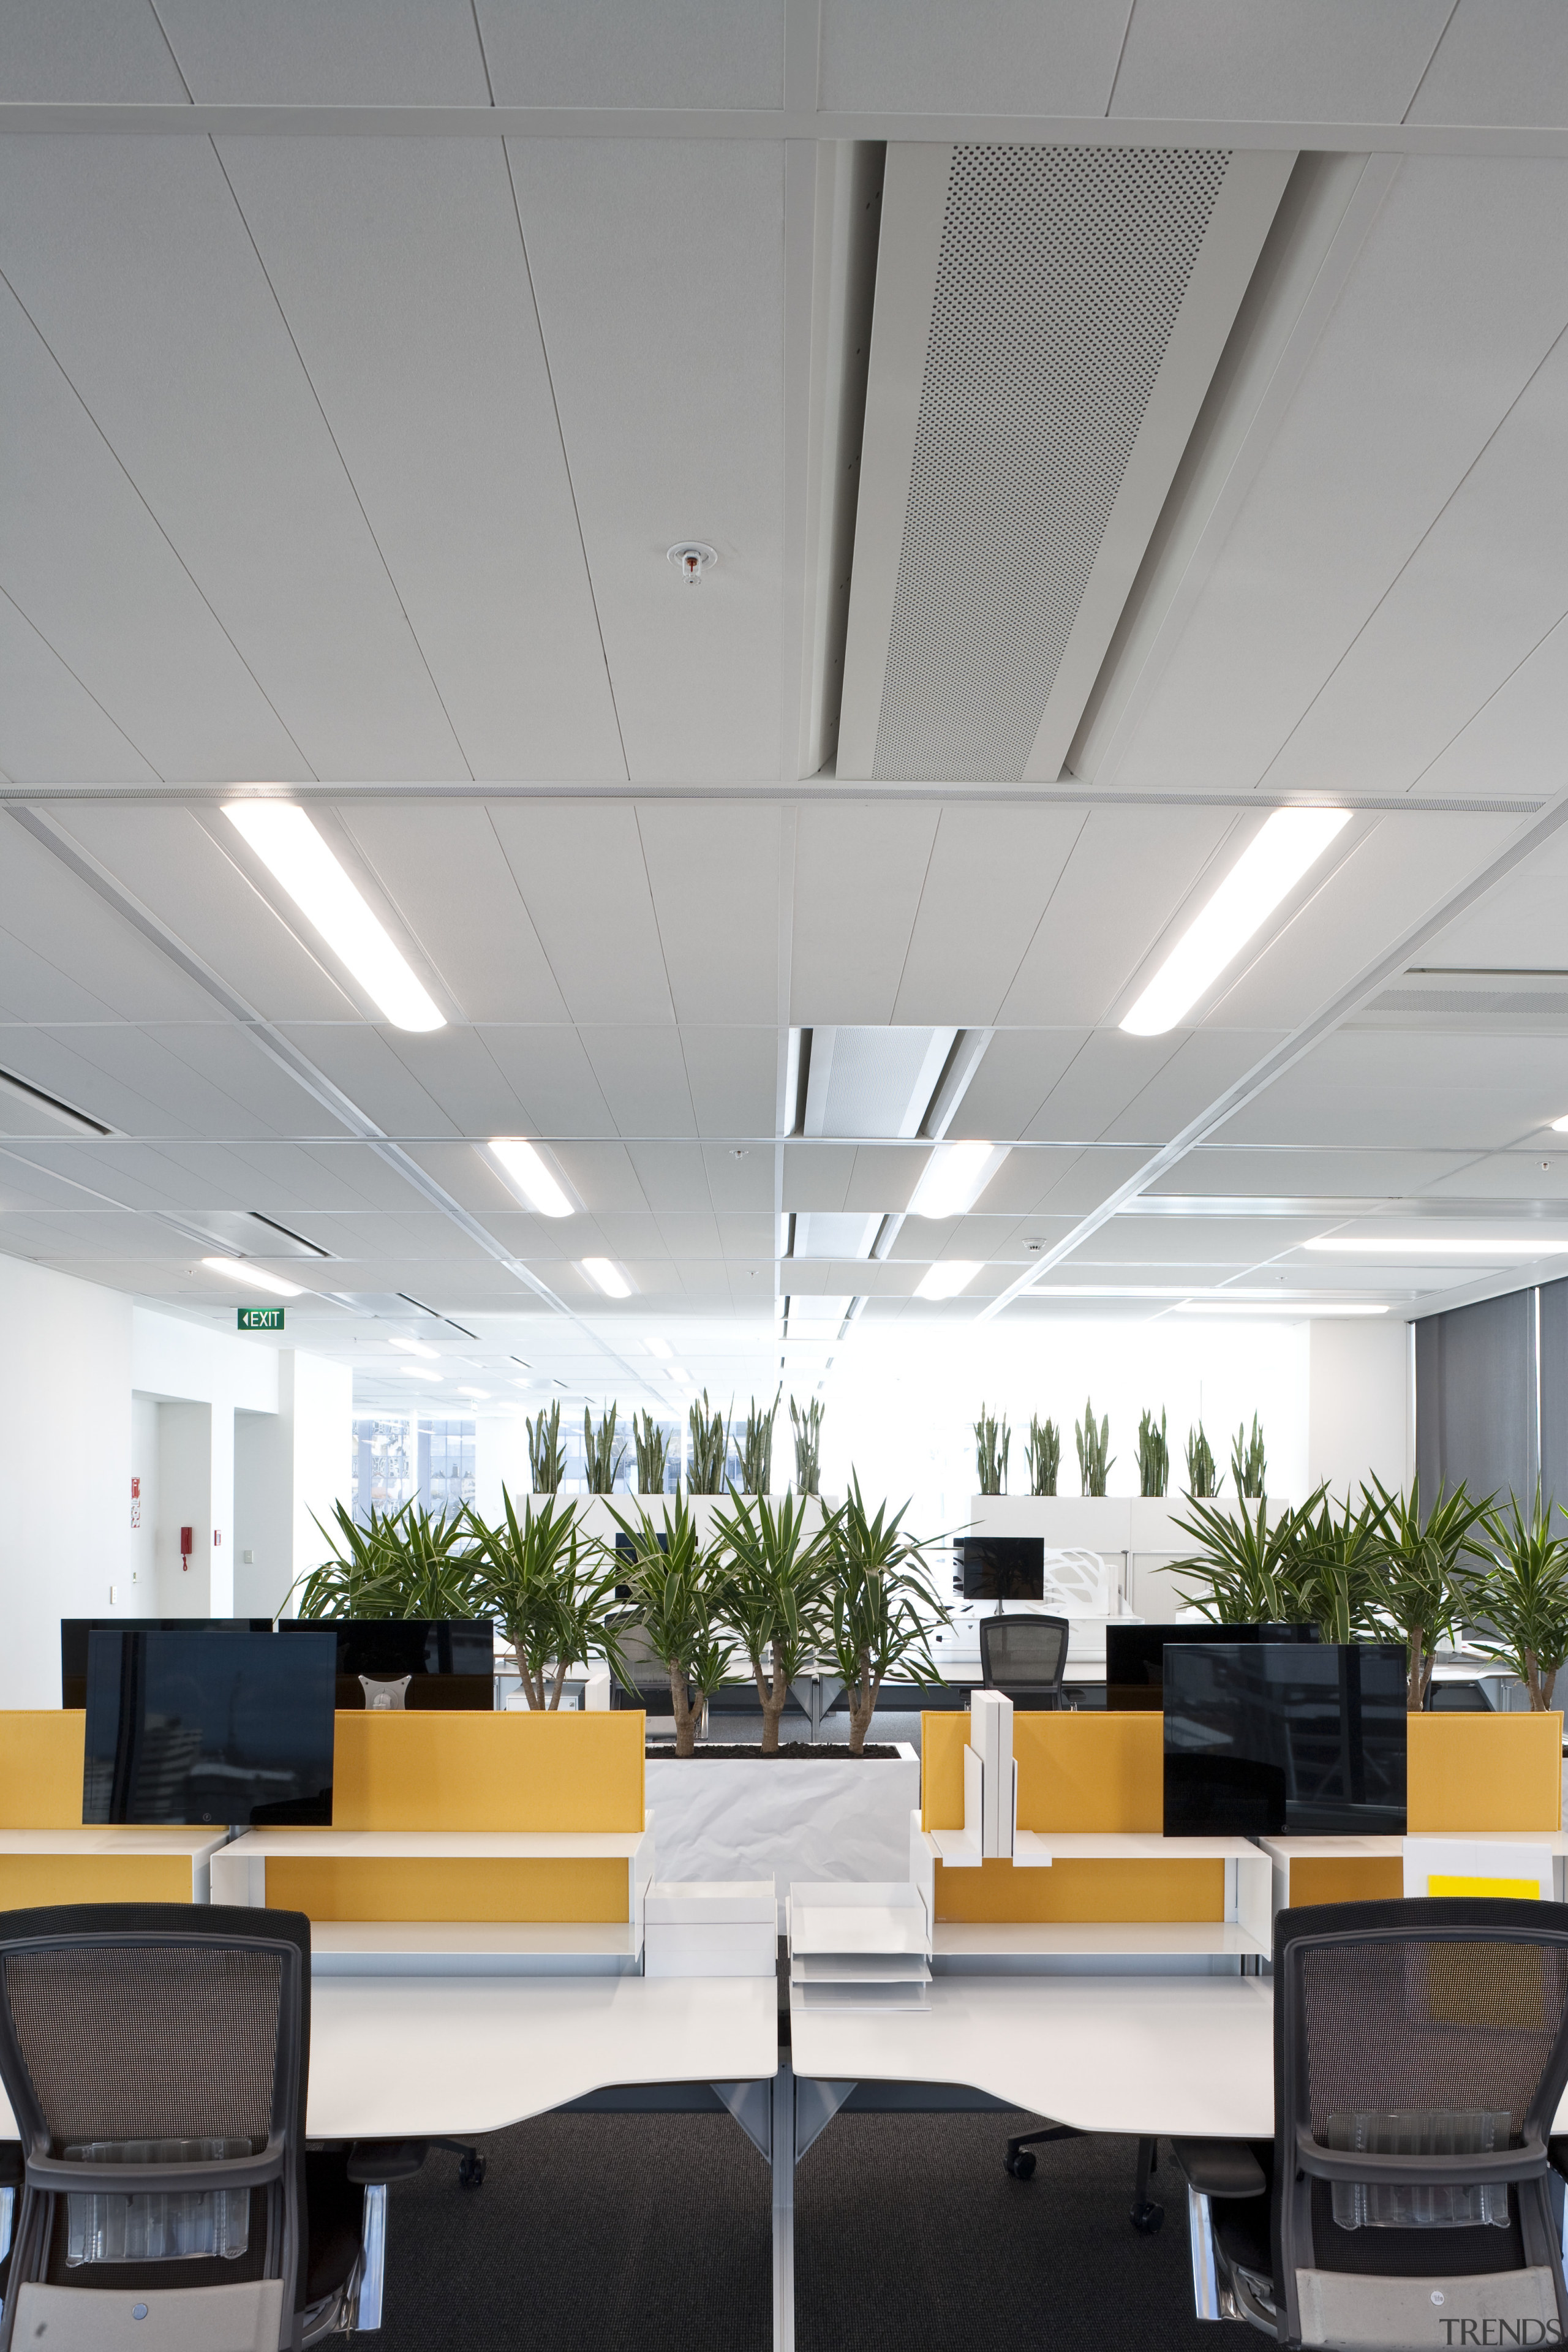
[654,2231]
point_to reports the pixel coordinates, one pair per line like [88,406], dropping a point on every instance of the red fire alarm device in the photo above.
[187,1546]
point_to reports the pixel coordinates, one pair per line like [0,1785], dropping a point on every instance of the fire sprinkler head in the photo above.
[691,559]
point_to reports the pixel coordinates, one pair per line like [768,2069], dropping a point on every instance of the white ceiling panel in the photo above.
[53,52]
[817,1176]
[1466,257]
[552,1078]
[134,263]
[67,957]
[1500,61]
[642,1076]
[746,1236]
[279,1178]
[169,860]
[682,53]
[1203,1066]
[695,1236]
[884,1175]
[1200,1241]
[1402,869]
[993,874]
[1531,1177]
[826,1233]
[1277,60]
[354,53]
[732,1075]
[441,865]
[993,57]
[580,868]
[1130,871]
[1521,924]
[670,384]
[69,1065]
[33,1176]
[457,1071]
[89,569]
[738,1184]
[1513,744]
[1319,1172]
[1412,1088]
[859,869]
[714,872]
[1018,1070]
[672,1176]
[434,382]
[362,1063]
[251,1094]
[1106,1075]
[51,730]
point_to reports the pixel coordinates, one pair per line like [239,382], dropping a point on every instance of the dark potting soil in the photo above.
[834,1748]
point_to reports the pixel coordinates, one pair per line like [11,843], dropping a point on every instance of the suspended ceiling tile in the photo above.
[733,1077]
[736,1184]
[51,730]
[363,1064]
[1320,1173]
[884,1175]
[692,1237]
[37,1175]
[1518,925]
[748,1235]
[1026,1177]
[817,1176]
[671,1175]
[551,1076]
[1018,1072]
[435,384]
[1129,872]
[684,53]
[249,1092]
[69,1065]
[167,859]
[355,53]
[1406,1088]
[1394,877]
[994,57]
[1099,1084]
[1500,61]
[1514,738]
[85,960]
[605,1176]
[55,52]
[1539,1175]
[629,1234]
[642,1074]
[134,263]
[89,570]
[860,870]
[323,1176]
[1202,1241]
[440,864]
[1466,255]
[579,867]
[457,1071]
[670,388]
[469,1174]
[1276,60]
[714,872]
[1199,1071]
[993,874]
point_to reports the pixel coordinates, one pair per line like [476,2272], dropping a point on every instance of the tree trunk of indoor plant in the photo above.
[772,1689]
[1420,1675]
[686,1716]
[863,1697]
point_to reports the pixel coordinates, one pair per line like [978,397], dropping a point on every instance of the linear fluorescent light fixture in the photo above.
[1269,866]
[472,1392]
[947,1277]
[413,1347]
[954,1177]
[295,855]
[1291,1308]
[1412,1245]
[660,1348]
[609,1278]
[532,1179]
[418,1372]
[234,1269]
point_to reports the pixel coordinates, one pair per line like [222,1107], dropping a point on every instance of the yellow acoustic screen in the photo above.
[1347,1878]
[1083,1891]
[474,1772]
[30,1879]
[429,1888]
[1516,1890]
[943,1738]
[40,1768]
[1090,1772]
[1484,1771]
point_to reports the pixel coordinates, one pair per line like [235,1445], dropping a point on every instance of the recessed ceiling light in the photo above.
[947,1277]
[292,850]
[529,1174]
[1292,1308]
[660,1348]
[1560,1127]
[418,1372]
[413,1347]
[472,1392]
[236,1269]
[610,1280]
[1413,1245]
[1271,865]
[954,1177]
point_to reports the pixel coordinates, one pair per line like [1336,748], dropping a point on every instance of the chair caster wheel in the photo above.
[471,2172]
[1147,2218]
[1022,2166]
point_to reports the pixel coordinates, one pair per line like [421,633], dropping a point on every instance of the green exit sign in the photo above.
[261,1318]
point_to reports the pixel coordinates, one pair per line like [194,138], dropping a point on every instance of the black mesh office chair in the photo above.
[1024,1658]
[1420,2050]
[155,2057]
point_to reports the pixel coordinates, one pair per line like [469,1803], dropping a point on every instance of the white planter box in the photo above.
[831,1816]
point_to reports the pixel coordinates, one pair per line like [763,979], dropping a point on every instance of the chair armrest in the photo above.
[374,2162]
[1220,2167]
[13,2170]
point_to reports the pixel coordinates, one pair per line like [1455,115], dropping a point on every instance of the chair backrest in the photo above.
[1420,2052]
[155,2057]
[1024,1654]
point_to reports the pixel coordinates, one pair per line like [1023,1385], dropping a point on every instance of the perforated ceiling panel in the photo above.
[1060,275]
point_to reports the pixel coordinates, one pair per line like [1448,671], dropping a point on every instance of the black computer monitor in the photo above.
[419,1662]
[74,1632]
[1296,1738]
[1135,1654]
[1000,1567]
[209,1729]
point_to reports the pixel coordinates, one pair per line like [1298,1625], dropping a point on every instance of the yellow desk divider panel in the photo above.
[1484,1772]
[1346,1878]
[1081,1771]
[41,1751]
[427,1887]
[943,1738]
[581,1771]
[1101,1889]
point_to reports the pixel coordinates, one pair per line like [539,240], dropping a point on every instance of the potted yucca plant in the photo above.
[677,1589]
[548,1593]
[881,1605]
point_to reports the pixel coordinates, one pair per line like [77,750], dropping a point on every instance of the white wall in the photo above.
[185,1499]
[190,1364]
[143,1597]
[290,1468]
[1360,1418]
[65,1467]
